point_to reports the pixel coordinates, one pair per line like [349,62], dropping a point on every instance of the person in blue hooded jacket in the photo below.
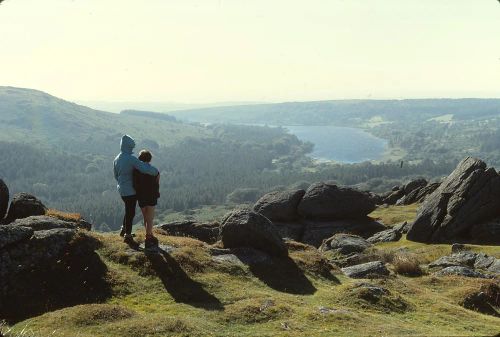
[123,167]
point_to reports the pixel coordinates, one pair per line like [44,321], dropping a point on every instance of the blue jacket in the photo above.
[124,164]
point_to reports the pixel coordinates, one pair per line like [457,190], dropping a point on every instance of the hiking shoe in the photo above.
[151,243]
[129,240]
[122,233]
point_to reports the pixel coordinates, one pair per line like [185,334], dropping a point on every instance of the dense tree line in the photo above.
[448,141]
[194,172]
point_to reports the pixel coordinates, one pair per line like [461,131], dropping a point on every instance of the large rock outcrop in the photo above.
[45,264]
[24,205]
[467,198]
[4,199]
[418,195]
[327,201]
[244,228]
[280,205]
[316,214]
[412,192]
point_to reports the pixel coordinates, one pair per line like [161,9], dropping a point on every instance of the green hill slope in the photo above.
[34,117]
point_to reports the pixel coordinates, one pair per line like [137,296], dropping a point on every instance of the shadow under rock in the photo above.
[71,281]
[179,285]
[279,273]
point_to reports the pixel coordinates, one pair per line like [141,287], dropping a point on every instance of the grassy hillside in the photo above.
[34,117]
[186,292]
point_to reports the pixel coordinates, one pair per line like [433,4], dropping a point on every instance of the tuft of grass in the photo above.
[94,314]
[73,217]
[67,322]
[6,331]
[360,297]
[310,260]
[254,310]
[191,259]
[406,264]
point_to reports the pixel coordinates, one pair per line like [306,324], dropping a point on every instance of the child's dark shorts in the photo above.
[147,202]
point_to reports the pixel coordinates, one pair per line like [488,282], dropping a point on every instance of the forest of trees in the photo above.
[237,166]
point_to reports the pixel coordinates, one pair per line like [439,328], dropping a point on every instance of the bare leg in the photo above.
[150,213]
[145,216]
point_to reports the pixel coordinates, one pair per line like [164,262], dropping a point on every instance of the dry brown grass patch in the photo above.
[406,264]
[74,217]
[178,241]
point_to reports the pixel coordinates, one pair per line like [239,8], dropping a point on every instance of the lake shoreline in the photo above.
[343,145]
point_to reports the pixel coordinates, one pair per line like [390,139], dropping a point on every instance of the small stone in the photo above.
[480,302]
[457,247]
[463,258]
[389,235]
[495,267]
[345,244]
[366,270]
[483,261]
[460,271]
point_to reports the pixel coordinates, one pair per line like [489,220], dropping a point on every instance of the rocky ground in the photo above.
[327,261]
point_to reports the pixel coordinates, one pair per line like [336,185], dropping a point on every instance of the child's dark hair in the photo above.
[145,156]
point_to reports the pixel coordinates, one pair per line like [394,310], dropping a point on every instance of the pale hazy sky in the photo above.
[251,50]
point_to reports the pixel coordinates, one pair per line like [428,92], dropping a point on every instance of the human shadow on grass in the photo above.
[179,285]
[279,273]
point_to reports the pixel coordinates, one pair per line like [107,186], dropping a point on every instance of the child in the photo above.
[148,191]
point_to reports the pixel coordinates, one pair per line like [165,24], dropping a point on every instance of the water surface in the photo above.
[342,144]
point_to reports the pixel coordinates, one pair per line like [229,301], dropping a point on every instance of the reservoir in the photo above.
[341,144]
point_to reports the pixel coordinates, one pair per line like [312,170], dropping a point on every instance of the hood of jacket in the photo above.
[127,144]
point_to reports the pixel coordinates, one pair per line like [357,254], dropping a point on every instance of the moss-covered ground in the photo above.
[185,292]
